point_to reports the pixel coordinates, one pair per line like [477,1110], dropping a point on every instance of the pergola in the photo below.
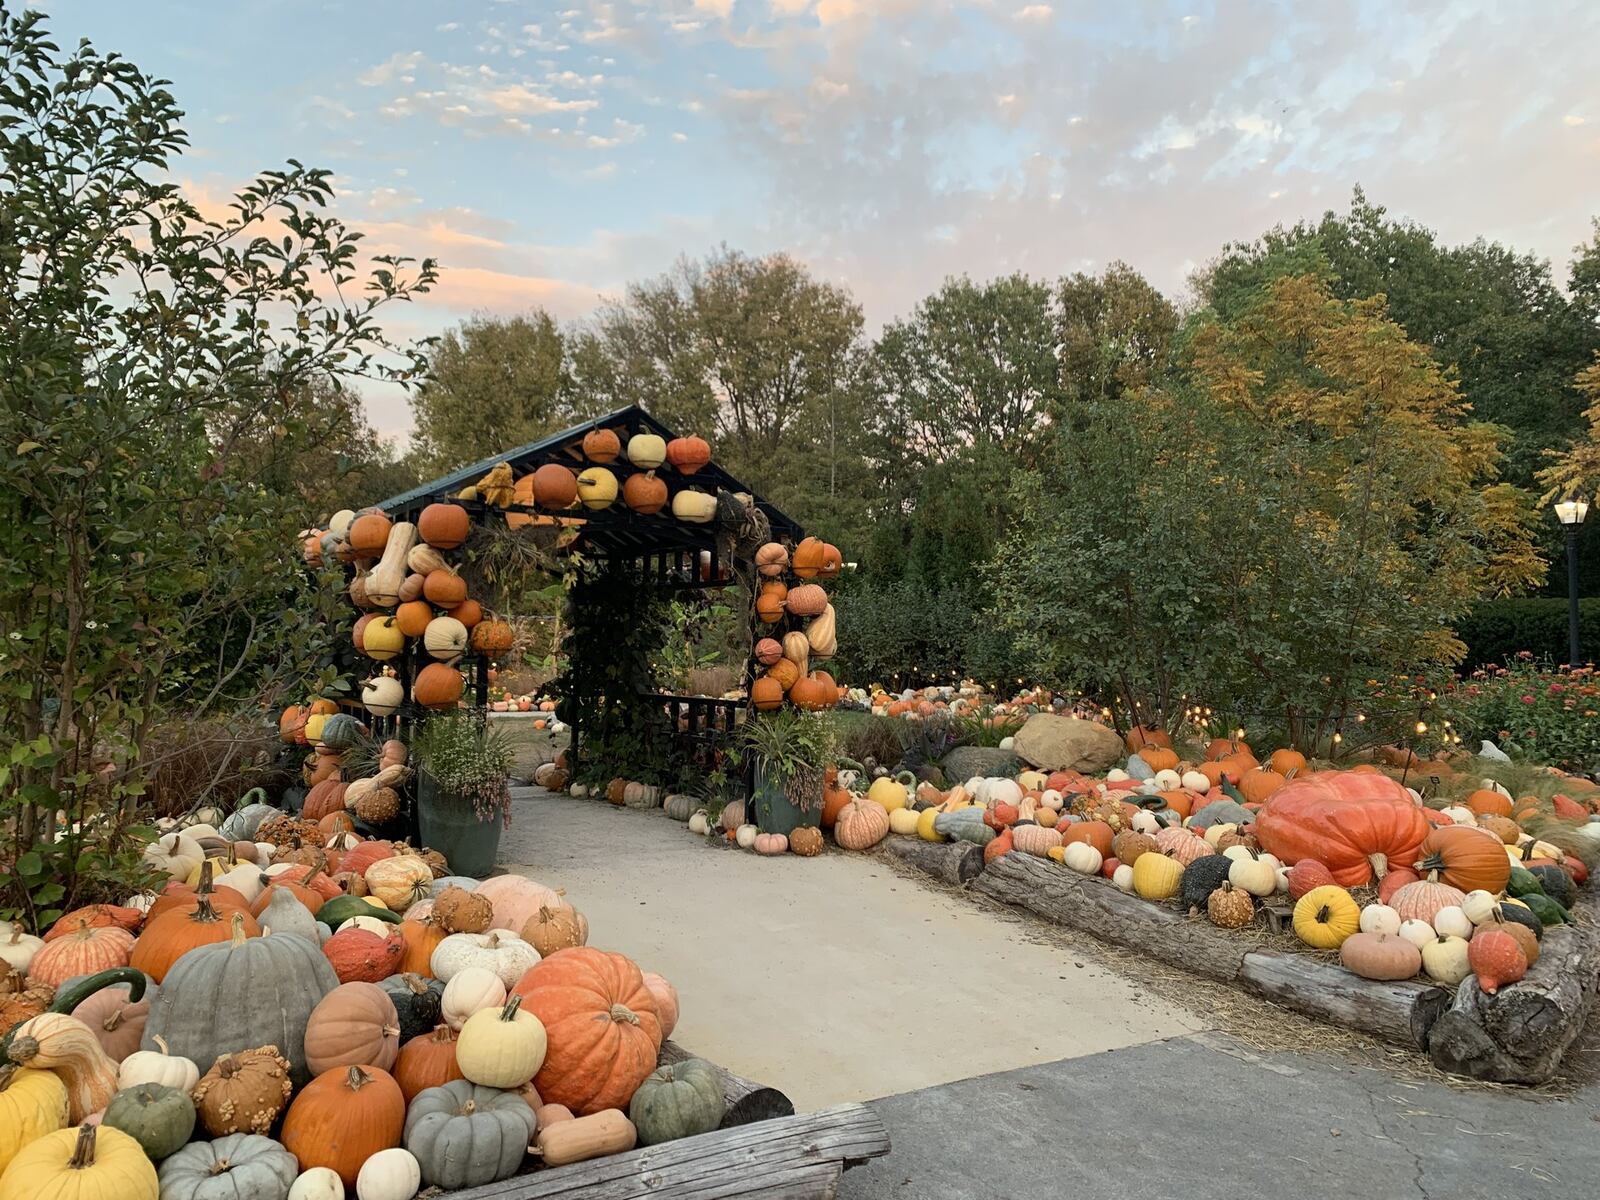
[657,549]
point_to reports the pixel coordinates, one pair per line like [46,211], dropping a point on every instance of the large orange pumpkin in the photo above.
[1465,858]
[602,1023]
[342,1118]
[1141,736]
[173,934]
[87,950]
[1357,824]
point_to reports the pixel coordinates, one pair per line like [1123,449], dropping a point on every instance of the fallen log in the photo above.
[1402,1012]
[949,862]
[793,1158]
[747,1101]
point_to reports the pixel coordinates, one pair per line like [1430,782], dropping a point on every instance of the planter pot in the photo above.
[775,813]
[446,823]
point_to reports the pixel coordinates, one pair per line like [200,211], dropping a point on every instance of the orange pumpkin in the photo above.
[1356,824]
[324,799]
[1257,784]
[1141,736]
[1096,833]
[1223,747]
[95,916]
[469,612]
[412,617]
[1159,758]
[426,1061]
[170,936]
[342,1118]
[1465,858]
[1284,761]
[421,937]
[603,1026]
[85,951]
[1487,803]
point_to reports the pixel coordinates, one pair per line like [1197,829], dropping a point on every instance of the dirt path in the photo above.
[833,978]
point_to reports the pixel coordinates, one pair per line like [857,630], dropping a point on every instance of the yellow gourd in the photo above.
[65,1046]
[1156,877]
[1325,916]
[890,793]
[32,1104]
[925,829]
[88,1163]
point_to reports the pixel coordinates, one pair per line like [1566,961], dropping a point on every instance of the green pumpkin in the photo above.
[239,994]
[677,1101]
[1546,909]
[158,1117]
[1522,882]
[1556,884]
[340,732]
[463,1135]
[340,909]
[1202,877]
[1522,916]
[416,1001]
[241,1166]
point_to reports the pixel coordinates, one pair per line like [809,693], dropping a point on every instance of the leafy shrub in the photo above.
[1496,630]
[1531,710]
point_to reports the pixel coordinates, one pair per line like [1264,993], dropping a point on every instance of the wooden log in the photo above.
[1093,905]
[734,1087]
[794,1158]
[1402,1012]
[949,862]
[1520,1034]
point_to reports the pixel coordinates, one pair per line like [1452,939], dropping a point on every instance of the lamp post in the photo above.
[1571,512]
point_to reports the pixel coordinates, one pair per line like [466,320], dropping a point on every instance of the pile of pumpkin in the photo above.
[363,1026]
[407,592]
[804,632]
[557,488]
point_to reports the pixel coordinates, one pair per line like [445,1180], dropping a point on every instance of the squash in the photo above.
[243,1093]
[470,991]
[240,1166]
[1465,859]
[501,1048]
[601,1133]
[1380,918]
[84,951]
[319,1183]
[384,580]
[343,1117]
[158,1065]
[464,1135]
[32,1104]
[358,955]
[158,1117]
[966,825]
[1200,878]
[418,1002]
[1419,901]
[677,1100]
[1381,956]
[1445,960]
[1255,875]
[515,898]
[1157,876]
[504,953]
[1325,916]
[392,1174]
[1355,823]
[353,1025]
[666,998]
[87,1163]
[116,1019]
[57,1042]
[1496,959]
[1230,907]
[427,1062]
[17,948]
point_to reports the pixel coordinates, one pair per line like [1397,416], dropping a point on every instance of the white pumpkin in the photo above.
[1195,782]
[445,639]
[1282,887]
[1379,918]
[1122,877]
[1052,799]
[499,950]
[371,924]
[174,854]
[1167,781]
[1117,775]
[1452,921]
[1214,832]
[1479,906]
[1272,860]
[143,901]
[903,821]
[698,823]
[1082,857]
[1444,960]
[1144,821]
[746,836]
[1007,742]
[472,990]
[244,879]
[382,695]
[319,1183]
[1418,933]
[1238,853]
[17,947]
[389,1175]
[1460,816]
[1254,876]
[991,792]
[157,1066]
[578,790]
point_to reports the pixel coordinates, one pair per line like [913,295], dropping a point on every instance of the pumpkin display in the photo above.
[464,1135]
[1230,907]
[243,1092]
[501,1048]
[32,1104]
[437,686]
[342,1118]
[87,1163]
[1465,859]
[87,950]
[444,526]
[1325,916]
[354,1025]
[158,1116]
[602,1025]
[1355,823]
[688,454]
[427,1062]
[1384,956]
[677,1100]
[556,927]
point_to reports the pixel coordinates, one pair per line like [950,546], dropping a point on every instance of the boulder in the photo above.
[1054,743]
[983,762]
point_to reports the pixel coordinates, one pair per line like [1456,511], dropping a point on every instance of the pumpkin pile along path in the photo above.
[755,944]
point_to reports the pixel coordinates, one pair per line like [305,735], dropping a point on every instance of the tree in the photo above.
[1584,280]
[1117,334]
[492,385]
[151,360]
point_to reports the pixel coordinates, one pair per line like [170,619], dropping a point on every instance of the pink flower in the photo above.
[1555,689]
[1527,699]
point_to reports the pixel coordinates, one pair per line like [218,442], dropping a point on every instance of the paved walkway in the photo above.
[833,978]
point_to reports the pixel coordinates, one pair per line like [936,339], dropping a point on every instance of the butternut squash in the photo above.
[583,1138]
[383,584]
[551,1114]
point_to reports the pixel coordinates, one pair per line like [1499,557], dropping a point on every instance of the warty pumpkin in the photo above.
[555,927]
[243,1092]
[358,955]
[342,1118]
[86,1163]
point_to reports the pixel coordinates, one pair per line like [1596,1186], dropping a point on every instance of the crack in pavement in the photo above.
[1418,1168]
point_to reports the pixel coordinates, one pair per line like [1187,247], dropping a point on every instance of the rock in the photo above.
[1221,812]
[967,762]
[1054,743]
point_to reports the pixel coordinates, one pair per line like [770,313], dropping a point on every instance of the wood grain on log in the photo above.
[1401,1012]
[950,862]
[792,1158]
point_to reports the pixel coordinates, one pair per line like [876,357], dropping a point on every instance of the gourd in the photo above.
[472,990]
[392,1174]
[1122,877]
[240,1166]
[501,1048]
[1556,884]
[1157,876]
[63,1044]
[1445,960]
[601,1023]
[1084,858]
[241,826]
[244,1092]
[400,881]
[967,825]
[1380,918]
[464,1135]
[1380,956]
[1230,907]
[354,1025]
[698,823]
[556,927]
[418,1002]
[1355,823]
[213,1002]
[319,1183]
[32,1104]
[158,1065]
[340,909]
[358,955]
[342,1118]
[744,836]
[677,1100]
[1325,916]
[605,1132]
[1306,874]
[1496,959]
[500,951]
[87,1163]
[427,1062]
[384,580]
[1200,878]
[694,507]
[158,1117]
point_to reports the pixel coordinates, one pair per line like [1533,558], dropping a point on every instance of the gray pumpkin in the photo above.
[284,914]
[241,1166]
[241,826]
[676,1101]
[240,994]
[465,882]
[158,1117]
[464,1135]
[680,806]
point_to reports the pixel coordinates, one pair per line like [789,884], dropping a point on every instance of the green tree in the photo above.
[1117,333]
[151,360]
[492,385]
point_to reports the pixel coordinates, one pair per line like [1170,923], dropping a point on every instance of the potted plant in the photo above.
[790,751]
[463,763]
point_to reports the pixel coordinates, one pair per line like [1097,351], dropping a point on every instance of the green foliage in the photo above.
[1532,711]
[155,367]
[1495,631]
[703,633]
[469,757]
[864,737]
[791,749]
[901,634]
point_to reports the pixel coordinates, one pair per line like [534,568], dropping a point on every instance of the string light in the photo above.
[1337,738]
[1422,727]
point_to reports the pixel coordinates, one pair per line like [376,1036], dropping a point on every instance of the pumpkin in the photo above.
[1355,823]
[1097,834]
[1255,875]
[342,1118]
[1202,877]
[1465,859]
[555,927]
[437,686]
[32,1104]
[1307,874]
[158,1065]
[1396,879]
[157,1116]
[18,947]
[456,910]
[57,1042]
[359,955]
[427,1062]
[1230,907]
[678,1100]
[504,953]
[239,1166]
[601,446]
[772,560]
[1419,901]
[666,998]
[603,1028]
[1485,802]
[1445,960]
[243,1092]
[515,898]
[1180,843]
[822,634]
[472,990]
[1157,879]
[1036,840]
[806,600]
[688,454]
[85,951]
[116,1019]
[354,1025]
[87,1163]
[464,1135]
[444,526]
[695,507]
[93,916]
[597,487]
[501,1048]
[400,881]
[1418,933]
[1496,959]
[1379,918]
[860,824]
[174,854]
[418,1003]
[1325,916]
[805,840]
[1380,956]
[445,639]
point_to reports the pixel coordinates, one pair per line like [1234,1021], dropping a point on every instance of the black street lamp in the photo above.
[1571,512]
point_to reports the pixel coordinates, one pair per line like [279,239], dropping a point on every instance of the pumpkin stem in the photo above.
[227,1066]
[23,1049]
[622,1014]
[238,937]
[83,1153]
[356,1079]
[509,1012]
[7,1074]
[221,1167]
[161,1044]
[1323,914]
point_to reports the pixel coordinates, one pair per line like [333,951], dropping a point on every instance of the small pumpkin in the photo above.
[353,1025]
[678,1100]
[1383,956]
[1156,876]
[464,1135]
[1325,916]
[1230,907]
[502,1048]
[556,927]
[344,1117]
[427,1062]
[160,1118]
[158,1066]
[243,1092]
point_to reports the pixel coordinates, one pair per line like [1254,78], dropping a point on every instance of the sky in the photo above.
[548,153]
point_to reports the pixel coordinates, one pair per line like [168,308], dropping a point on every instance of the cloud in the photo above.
[1035,12]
